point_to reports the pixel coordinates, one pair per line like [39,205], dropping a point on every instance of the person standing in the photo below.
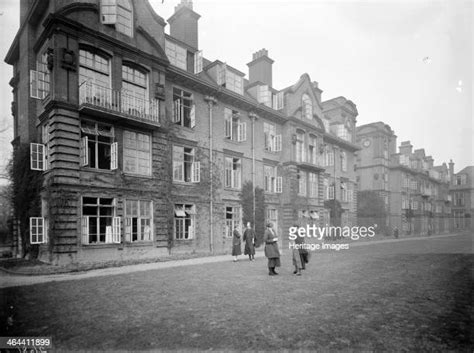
[249,238]
[236,241]
[271,249]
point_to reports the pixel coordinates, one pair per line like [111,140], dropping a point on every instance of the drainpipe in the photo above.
[210,102]
[253,117]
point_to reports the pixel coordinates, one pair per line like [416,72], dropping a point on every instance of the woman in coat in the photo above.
[249,238]
[236,249]
[271,249]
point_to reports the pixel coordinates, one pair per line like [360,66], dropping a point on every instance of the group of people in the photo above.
[270,238]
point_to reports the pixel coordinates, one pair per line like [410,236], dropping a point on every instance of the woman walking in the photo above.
[236,249]
[271,249]
[249,238]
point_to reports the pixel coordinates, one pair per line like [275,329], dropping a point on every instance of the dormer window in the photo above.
[118,13]
[307,107]
[230,80]
[264,95]
[343,132]
[176,54]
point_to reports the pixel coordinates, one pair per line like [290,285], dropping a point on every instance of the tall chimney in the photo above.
[260,68]
[429,160]
[405,148]
[184,24]
[451,171]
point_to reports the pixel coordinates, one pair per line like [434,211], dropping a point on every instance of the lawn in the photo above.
[358,299]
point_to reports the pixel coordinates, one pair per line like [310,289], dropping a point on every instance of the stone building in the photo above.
[144,144]
[415,192]
[462,194]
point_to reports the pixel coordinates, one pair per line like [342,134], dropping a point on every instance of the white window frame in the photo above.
[278,101]
[236,214]
[37,156]
[235,129]
[143,235]
[331,192]
[111,235]
[38,230]
[232,172]
[313,184]
[184,108]
[179,166]
[140,153]
[176,54]
[272,182]
[183,212]
[84,146]
[302,183]
[344,161]
[306,107]
[264,95]
[271,216]
[198,61]
[273,142]
[300,154]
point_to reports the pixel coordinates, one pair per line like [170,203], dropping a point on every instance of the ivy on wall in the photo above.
[246,197]
[25,195]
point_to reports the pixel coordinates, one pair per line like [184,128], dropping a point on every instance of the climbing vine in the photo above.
[25,195]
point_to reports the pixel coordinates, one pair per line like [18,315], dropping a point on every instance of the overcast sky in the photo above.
[406,63]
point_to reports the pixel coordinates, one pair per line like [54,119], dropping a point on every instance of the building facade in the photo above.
[144,144]
[415,192]
[462,195]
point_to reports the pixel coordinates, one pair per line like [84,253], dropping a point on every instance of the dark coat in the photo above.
[236,249]
[249,238]
[271,246]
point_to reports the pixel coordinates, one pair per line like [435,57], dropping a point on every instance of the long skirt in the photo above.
[297,259]
[274,262]
[236,250]
[249,248]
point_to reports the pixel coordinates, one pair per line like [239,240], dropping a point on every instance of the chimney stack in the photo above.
[429,160]
[451,171]
[184,24]
[260,68]
[405,148]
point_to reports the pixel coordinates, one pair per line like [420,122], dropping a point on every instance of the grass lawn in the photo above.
[358,299]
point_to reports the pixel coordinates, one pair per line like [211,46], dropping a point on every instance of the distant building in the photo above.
[462,194]
[144,143]
[416,193]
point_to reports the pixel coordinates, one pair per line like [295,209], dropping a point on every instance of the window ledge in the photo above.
[138,175]
[141,243]
[182,127]
[234,142]
[185,183]
[101,245]
[95,170]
